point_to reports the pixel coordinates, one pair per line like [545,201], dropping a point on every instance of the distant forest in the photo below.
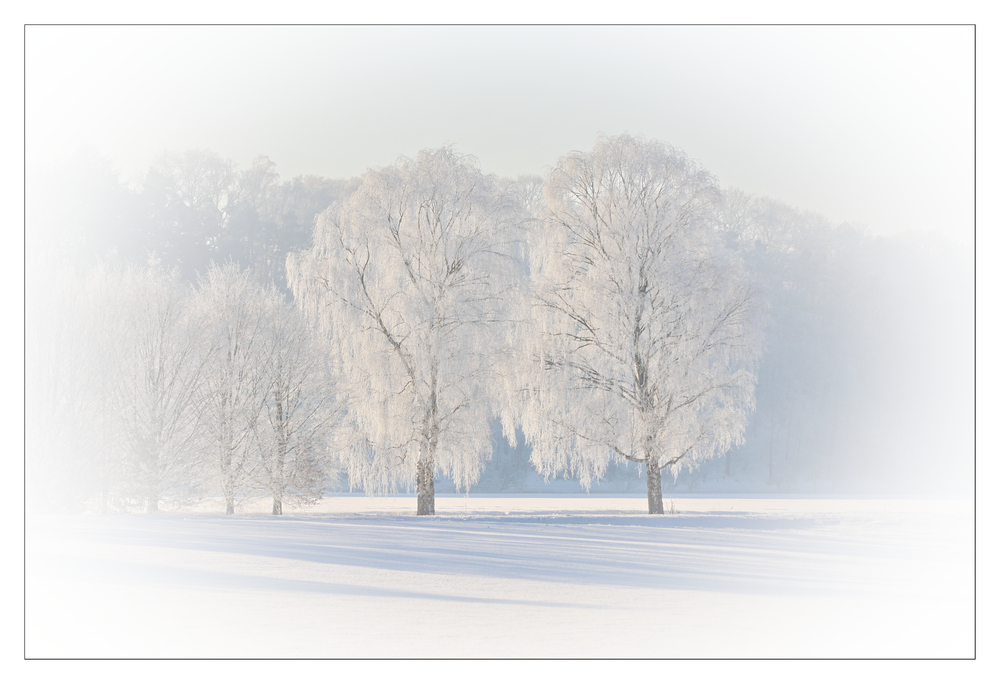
[191,209]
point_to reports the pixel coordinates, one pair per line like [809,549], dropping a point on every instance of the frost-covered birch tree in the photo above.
[407,280]
[156,397]
[641,342]
[233,312]
[300,410]
[102,338]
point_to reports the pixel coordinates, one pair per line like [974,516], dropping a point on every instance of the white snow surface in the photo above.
[510,576]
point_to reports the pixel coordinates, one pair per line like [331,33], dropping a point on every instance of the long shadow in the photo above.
[672,552]
[126,572]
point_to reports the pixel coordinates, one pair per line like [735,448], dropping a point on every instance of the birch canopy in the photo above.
[406,279]
[642,346]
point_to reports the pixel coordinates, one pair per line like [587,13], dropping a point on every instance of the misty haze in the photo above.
[668,374]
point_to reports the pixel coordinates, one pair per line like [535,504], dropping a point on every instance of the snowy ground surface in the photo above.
[509,576]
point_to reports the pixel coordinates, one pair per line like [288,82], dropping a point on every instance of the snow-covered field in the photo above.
[509,576]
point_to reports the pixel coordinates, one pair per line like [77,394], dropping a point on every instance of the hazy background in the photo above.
[867,123]
[869,373]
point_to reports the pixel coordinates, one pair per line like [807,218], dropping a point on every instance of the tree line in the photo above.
[624,311]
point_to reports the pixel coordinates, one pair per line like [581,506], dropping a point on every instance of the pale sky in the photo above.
[869,124]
